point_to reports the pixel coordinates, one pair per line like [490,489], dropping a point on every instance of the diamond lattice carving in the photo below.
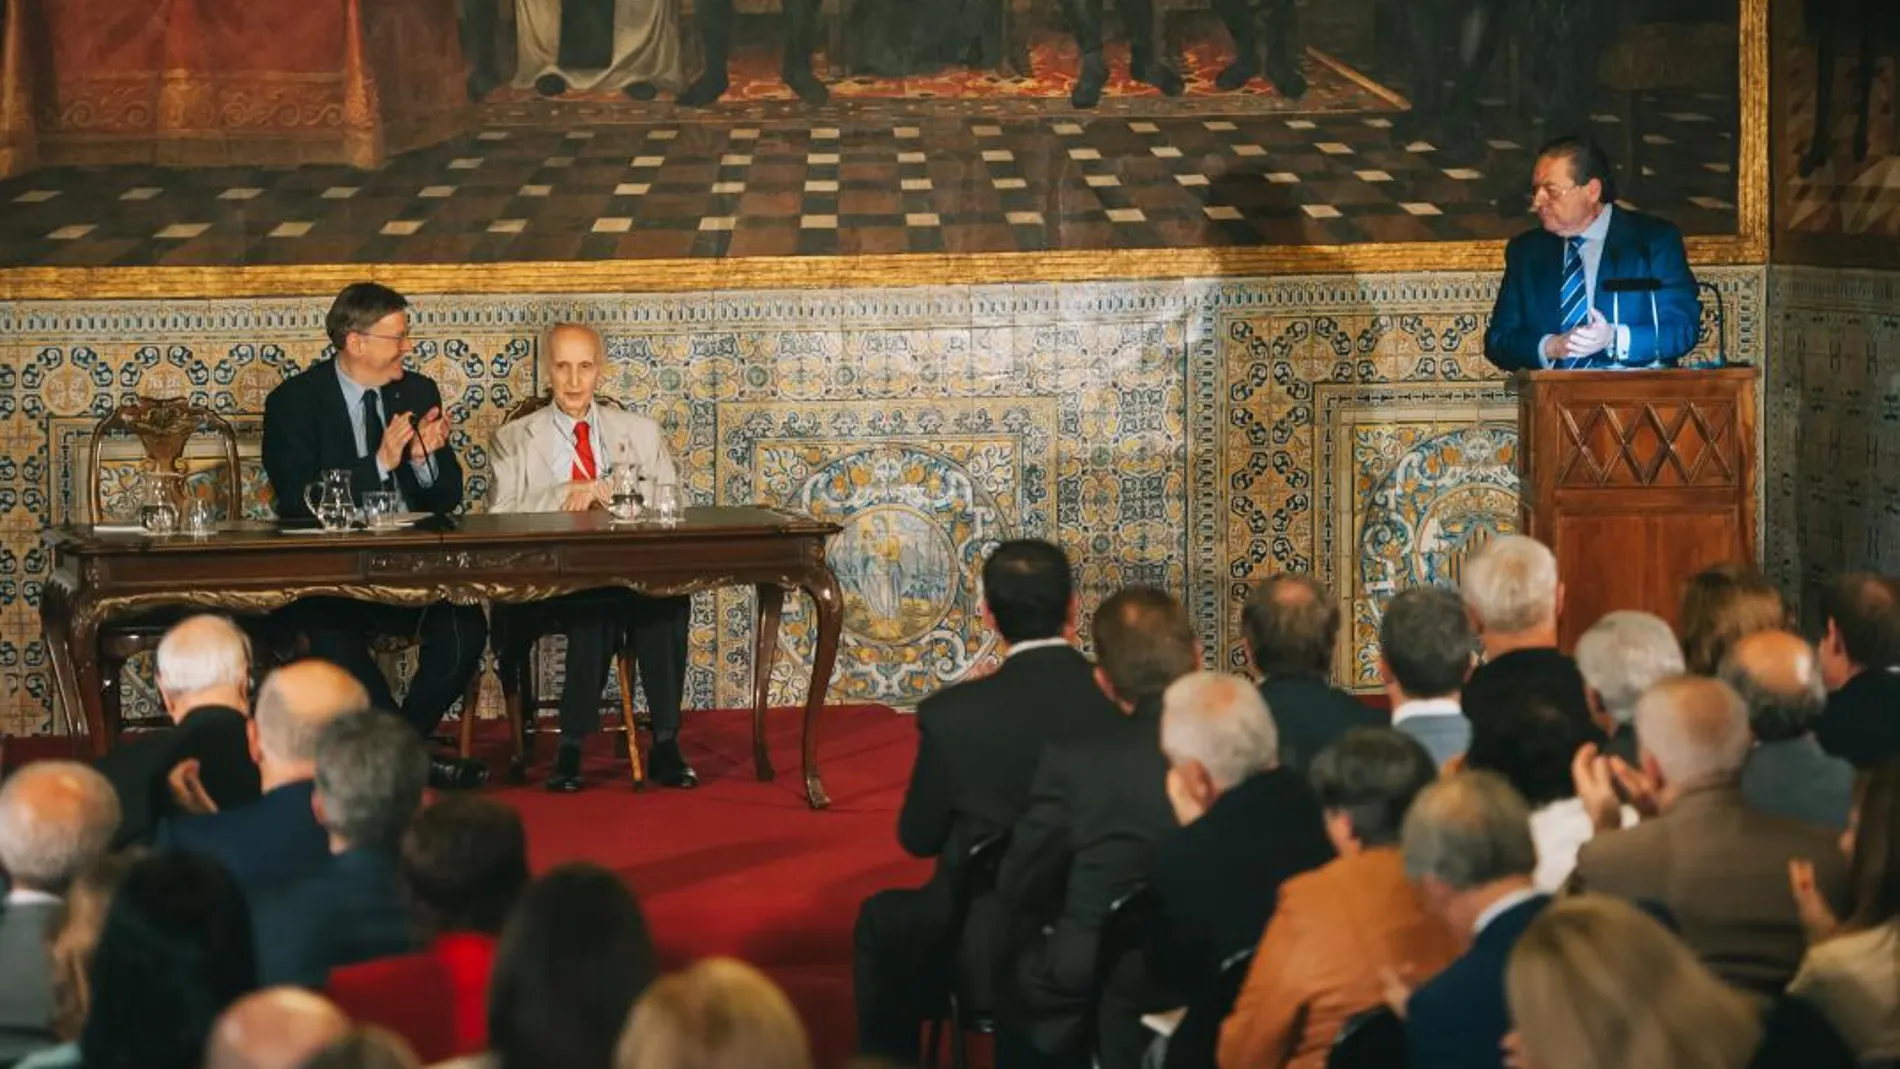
[1643,444]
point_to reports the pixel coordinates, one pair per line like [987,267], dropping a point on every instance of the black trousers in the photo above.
[1085,16]
[895,970]
[715,18]
[595,623]
[452,640]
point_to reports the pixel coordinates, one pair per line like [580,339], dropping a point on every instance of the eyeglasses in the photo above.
[1551,191]
[400,339]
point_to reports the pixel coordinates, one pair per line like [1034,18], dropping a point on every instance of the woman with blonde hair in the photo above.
[719,1014]
[1596,983]
[70,941]
[1720,606]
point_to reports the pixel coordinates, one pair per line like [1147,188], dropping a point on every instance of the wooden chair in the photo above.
[1124,932]
[976,878]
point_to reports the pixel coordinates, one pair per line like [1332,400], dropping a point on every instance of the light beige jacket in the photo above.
[528,452]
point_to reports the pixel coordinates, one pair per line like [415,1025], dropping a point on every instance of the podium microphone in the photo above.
[1617,287]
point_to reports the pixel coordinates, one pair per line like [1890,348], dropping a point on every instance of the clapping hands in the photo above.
[1598,777]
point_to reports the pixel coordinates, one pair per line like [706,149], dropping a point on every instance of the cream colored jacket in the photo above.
[528,453]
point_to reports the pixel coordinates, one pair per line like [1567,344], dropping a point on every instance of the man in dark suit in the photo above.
[276,839]
[1860,663]
[204,679]
[977,748]
[361,413]
[1097,808]
[1468,850]
[1787,773]
[1426,647]
[1247,826]
[1597,285]
[371,772]
[1292,626]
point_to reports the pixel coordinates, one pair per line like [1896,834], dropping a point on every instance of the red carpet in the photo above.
[744,868]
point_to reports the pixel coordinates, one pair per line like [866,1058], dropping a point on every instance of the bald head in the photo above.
[575,355]
[295,703]
[1778,677]
[277,1028]
[1695,730]
[56,817]
[204,660]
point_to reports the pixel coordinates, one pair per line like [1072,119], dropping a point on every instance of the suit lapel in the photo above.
[335,416]
[1613,264]
[547,446]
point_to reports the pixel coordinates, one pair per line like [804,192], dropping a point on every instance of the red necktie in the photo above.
[583,454]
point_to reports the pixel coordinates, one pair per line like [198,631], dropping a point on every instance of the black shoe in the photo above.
[709,88]
[456,774]
[807,86]
[1286,77]
[1236,76]
[550,85]
[1162,77]
[666,767]
[566,776]
[1088,84]
[641,91]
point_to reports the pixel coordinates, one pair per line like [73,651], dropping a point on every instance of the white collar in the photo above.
[1599,228]
[27,896]
[1491,912]
[1426,707]
[566,422]
[1036,644]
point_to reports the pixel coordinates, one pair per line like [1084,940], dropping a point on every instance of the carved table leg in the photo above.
[829,601]
[72,641]
[765,651]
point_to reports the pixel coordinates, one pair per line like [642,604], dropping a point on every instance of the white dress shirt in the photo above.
[353,394]
[563,466]
[1426,707]
[1035,644]
[1593,236]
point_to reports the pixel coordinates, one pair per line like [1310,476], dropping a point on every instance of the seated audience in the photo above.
[1595,983]
[1529,716]
[365,1047]
[1622,655]
[719,1014]
[1425,653]
[1512,594]
[204,679]
[1860,663]
[276,839]
[174,952]
[1716,862]
[56,819]
[573,960]
[1097,808]
[1291,624]
[977,747]
[464,863]
[1787,773]
[371,772]
[276,1028]
[1248,825]
[1852,969]
[73,937]
[1339,928]
[1722,604]
[1468,850]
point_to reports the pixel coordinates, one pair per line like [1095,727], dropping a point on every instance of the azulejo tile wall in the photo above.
[1198,435]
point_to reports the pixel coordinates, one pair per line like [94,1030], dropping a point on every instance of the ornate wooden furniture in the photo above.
[256,567]
[1637,480]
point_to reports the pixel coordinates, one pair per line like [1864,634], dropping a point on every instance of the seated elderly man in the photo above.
[1513,595]
[1787,773]
[1425,652]
[56,818]
[1621,656]
[1718,863]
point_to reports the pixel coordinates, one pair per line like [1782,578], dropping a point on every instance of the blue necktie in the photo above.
[1573,308]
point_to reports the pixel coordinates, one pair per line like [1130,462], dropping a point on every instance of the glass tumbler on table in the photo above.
[382,509]
[666,504]
[201,520]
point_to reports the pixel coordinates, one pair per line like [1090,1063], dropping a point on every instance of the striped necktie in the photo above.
[1571,303]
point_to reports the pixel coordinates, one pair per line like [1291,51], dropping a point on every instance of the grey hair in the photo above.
[1221,721]
[1624,654]
[1510,585]
[1468,830]
[1776,714]
[371,772]
[56,817]
[202,652]
[1692,740]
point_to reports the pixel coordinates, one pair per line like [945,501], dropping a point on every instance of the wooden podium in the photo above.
[1637,480]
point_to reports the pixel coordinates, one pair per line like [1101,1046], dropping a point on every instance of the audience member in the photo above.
[56,818]
[1097,808]
[571,963]
[1468,849]
[1247,826]
[1722,604]
[74,935]
[1595,983]
[204,679]
[1425,652]
[719,1014]
[1511,591]
[464,863]
[276,839]
[276,1028]
[1717,863]
[977,748]
[371,772]
[1292,626]
[1852,969]
[365,1047]
[1860,663]
[1337,929]
[1529,716]
[1622,655]
[1787,773]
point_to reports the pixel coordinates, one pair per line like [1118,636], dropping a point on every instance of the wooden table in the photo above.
[99,576]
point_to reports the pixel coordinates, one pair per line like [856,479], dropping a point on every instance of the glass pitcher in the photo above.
[329,499]
[159,495]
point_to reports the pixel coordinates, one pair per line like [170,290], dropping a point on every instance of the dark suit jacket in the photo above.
[1311,715]
[137,768]
[352,911]
[1096,811]
[1861,724]
[1795,778]
[26,979]
[1638,246]
[308,429]
[1457,1019]
[273,841]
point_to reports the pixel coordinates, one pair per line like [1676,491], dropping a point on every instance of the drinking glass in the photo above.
[666,504]
[626,500]
[201,519]
[382,509]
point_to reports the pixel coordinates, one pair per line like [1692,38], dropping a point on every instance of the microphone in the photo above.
[1616,287]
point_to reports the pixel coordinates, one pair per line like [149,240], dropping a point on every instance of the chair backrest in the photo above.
[1370,1039]
[975,878]
[528,406]
[1123,932]
[164,426]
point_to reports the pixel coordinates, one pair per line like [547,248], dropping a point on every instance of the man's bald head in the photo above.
[1778,676]
[296,701]
[575,356]
[1695,729]
[277,1028]
[56,817]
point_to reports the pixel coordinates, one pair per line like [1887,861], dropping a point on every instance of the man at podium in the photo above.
[1597,285]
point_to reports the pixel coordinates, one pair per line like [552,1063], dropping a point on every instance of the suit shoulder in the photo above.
[515,432]
[1525,241]
[1655,227]
[295,386]
[630,422]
